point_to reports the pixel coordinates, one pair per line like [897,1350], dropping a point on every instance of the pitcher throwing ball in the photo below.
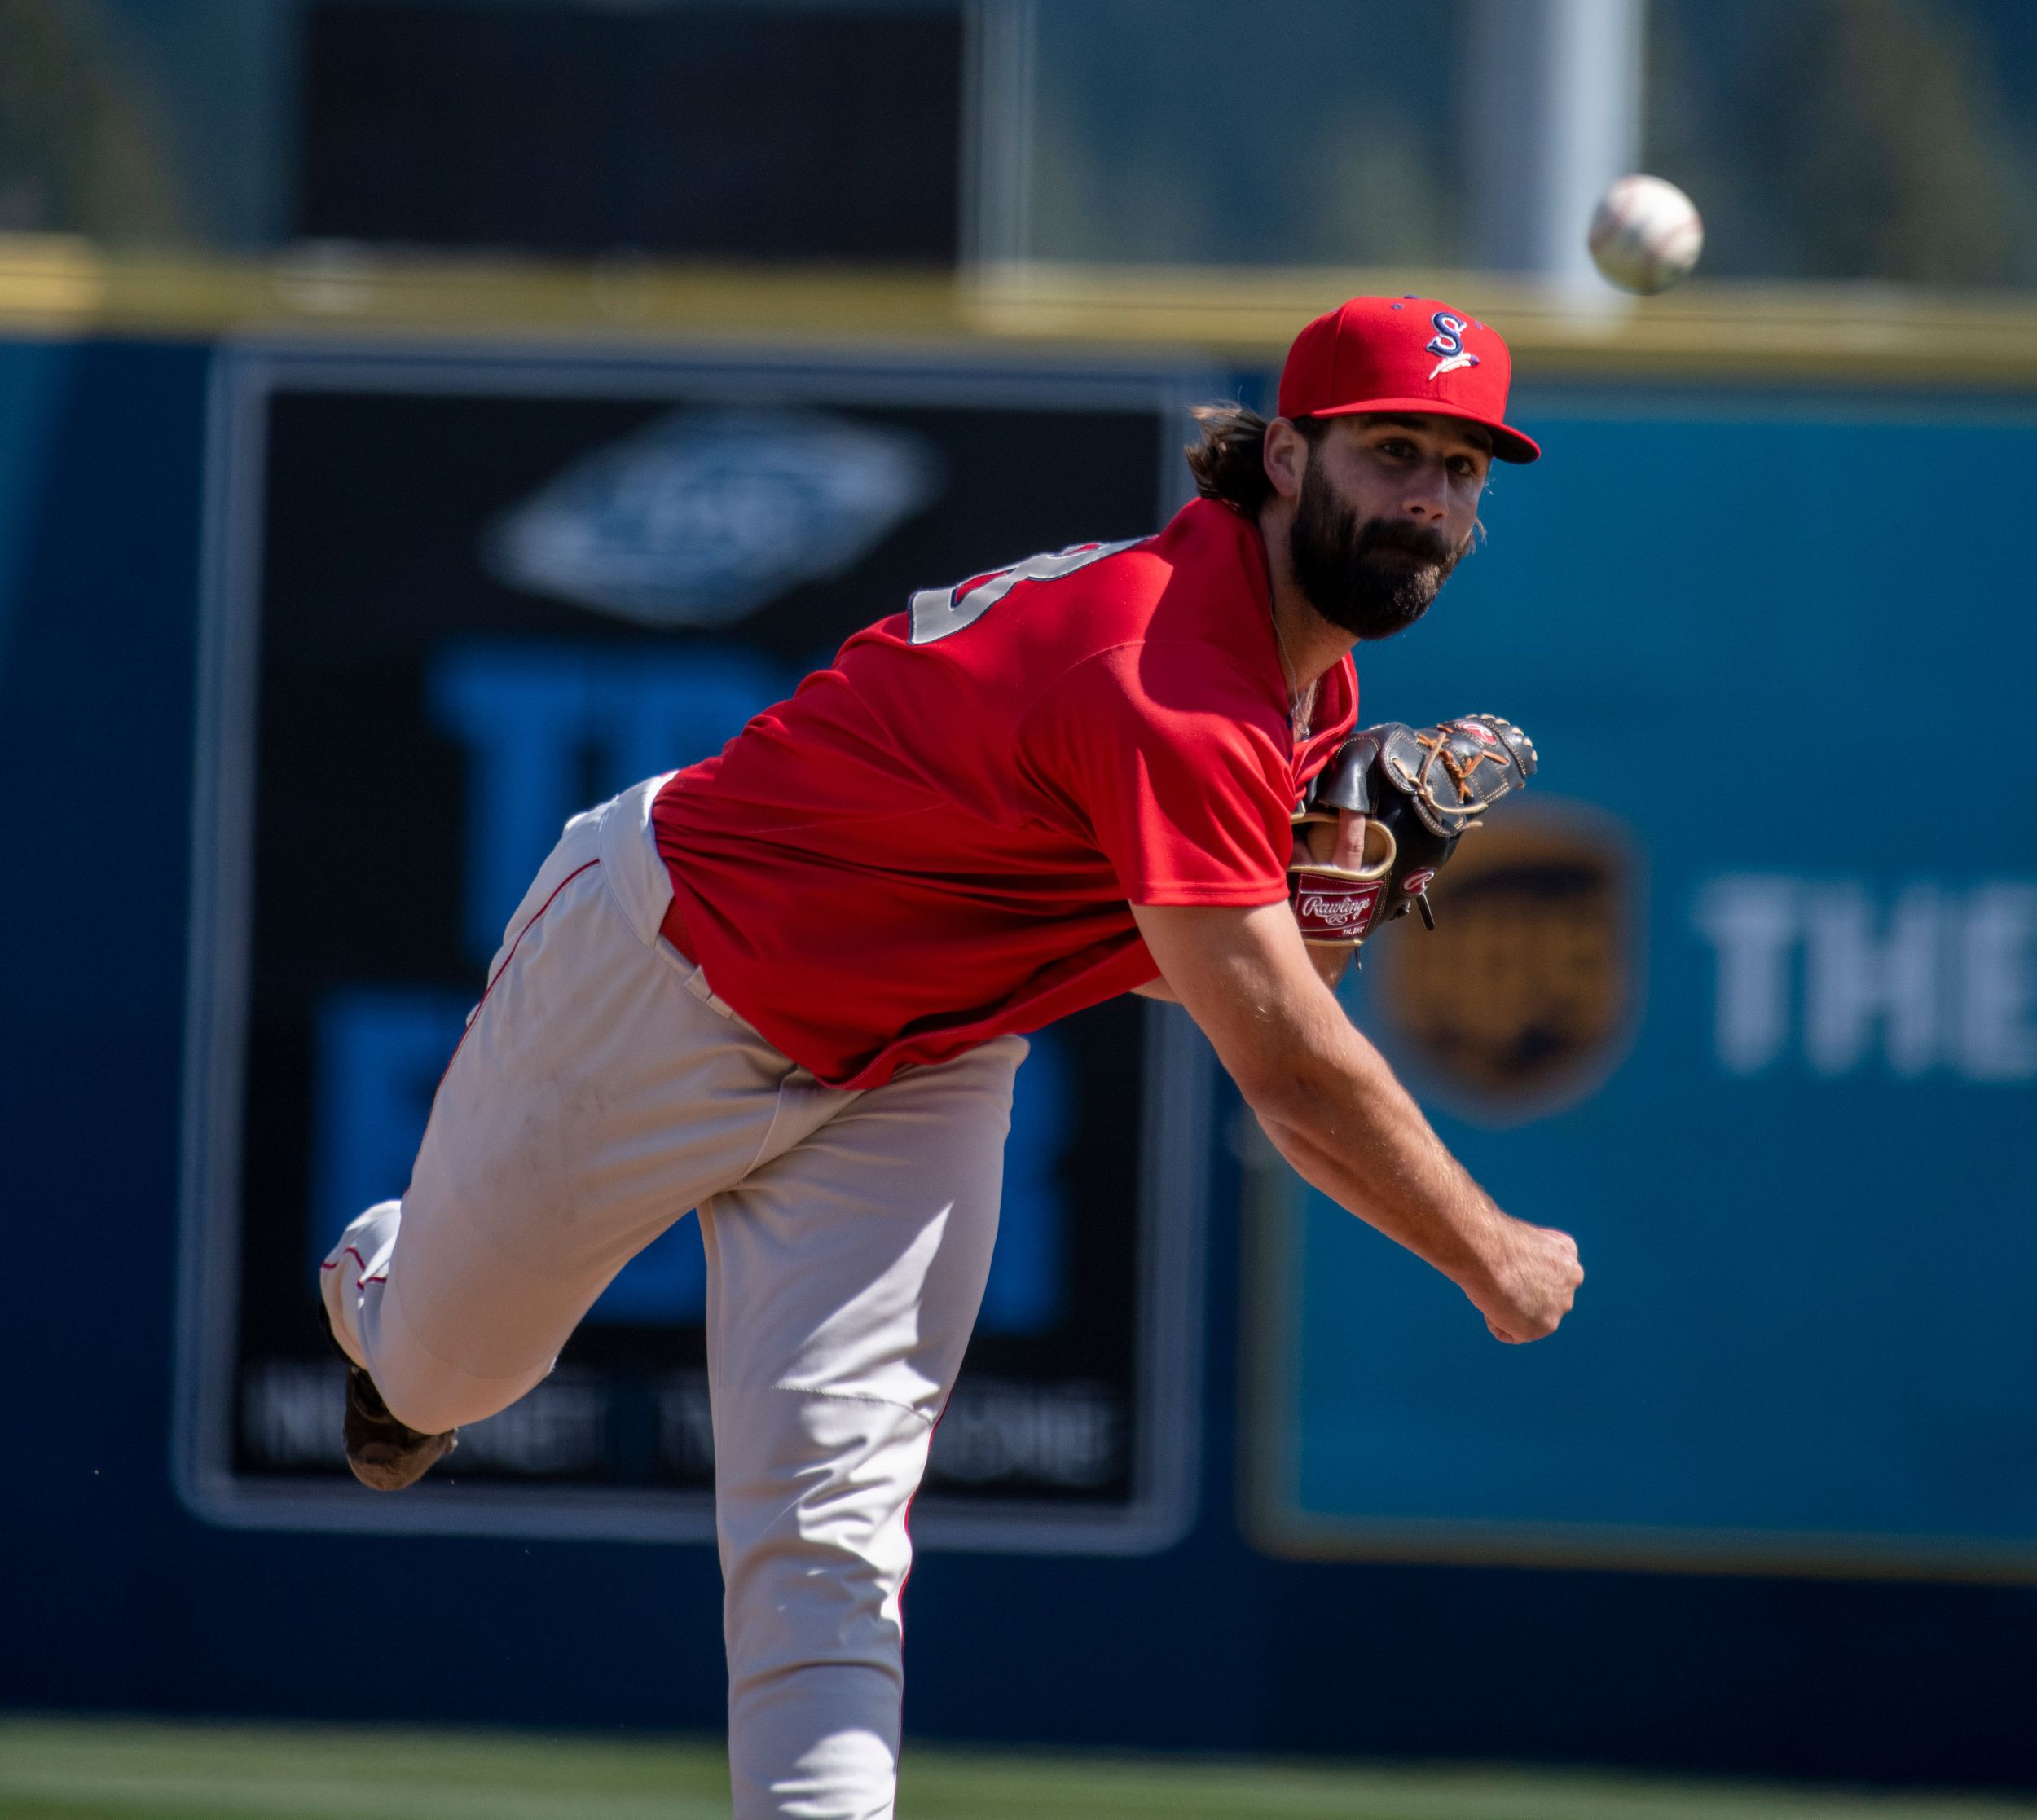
[788,986]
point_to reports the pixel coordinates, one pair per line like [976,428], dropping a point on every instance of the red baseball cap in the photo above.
[1407,354]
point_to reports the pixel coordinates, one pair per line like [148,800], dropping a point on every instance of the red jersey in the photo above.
[938,841]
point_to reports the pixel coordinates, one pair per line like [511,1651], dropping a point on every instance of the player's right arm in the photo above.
[1334,1110]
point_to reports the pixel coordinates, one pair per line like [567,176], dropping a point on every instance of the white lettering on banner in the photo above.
[558,1428]
[1857,976]
[1997,1032]
[1752,923]
[1932,978]
[291,1411]
[1059,1434]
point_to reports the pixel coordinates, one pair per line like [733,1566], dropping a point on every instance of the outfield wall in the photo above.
[1767,1044]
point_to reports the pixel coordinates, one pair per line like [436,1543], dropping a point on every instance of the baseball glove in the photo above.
[1419,791]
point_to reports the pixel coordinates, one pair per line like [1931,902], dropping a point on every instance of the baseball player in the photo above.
[789,986]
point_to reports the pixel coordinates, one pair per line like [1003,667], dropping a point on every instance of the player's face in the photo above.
[1388,505]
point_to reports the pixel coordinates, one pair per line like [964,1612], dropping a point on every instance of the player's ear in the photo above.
[1285,452]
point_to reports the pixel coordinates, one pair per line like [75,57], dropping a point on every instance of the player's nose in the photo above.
[1427,495]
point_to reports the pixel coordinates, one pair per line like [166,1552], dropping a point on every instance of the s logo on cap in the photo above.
[1449,344]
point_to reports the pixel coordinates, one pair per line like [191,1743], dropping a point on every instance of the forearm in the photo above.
[1331,1105]
[1350,1129]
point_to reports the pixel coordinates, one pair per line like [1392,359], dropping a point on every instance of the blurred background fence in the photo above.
[416,418]
[1887,140]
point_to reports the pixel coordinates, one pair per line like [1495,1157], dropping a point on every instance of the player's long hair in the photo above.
[1228,460]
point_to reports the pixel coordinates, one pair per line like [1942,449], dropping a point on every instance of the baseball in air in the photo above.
[1645,234]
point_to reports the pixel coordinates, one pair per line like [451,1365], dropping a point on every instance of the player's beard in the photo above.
[1373,579]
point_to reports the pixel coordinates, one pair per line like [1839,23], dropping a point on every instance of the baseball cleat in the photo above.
[385,1454]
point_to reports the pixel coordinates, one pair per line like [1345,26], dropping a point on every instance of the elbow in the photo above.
[1300,1085]
[1286,1093]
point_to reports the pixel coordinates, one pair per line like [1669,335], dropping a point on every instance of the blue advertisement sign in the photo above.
[1743,993]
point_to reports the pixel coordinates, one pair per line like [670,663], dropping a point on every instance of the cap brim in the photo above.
[1508,444]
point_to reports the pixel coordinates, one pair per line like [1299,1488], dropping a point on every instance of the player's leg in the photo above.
[844,1276]
[595,1098]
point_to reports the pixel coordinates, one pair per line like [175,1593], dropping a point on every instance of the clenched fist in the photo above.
[1529,1283]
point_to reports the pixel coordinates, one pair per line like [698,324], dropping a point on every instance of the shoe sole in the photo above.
[389,1467]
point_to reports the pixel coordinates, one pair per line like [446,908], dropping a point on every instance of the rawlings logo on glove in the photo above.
[1329,906]
[1419,791]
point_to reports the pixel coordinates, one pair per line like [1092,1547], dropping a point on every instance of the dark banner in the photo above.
[452,602]
[737,132]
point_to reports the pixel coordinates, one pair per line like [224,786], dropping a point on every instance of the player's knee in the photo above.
[417,1403]
[431,1397]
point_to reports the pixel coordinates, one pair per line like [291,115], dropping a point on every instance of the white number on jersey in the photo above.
[938,611]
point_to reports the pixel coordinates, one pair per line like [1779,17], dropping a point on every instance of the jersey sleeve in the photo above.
[1165,759]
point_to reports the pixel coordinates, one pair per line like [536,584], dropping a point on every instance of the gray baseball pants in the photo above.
[600,1091]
